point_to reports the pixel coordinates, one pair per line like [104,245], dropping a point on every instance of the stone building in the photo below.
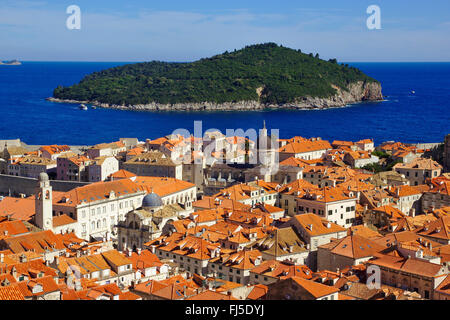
[419,170]
[154,164]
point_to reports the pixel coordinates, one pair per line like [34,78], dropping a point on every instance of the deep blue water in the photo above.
[423,117]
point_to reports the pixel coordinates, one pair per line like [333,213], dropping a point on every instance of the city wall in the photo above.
[21,185]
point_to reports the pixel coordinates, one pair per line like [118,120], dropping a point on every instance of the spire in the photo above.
[264,122]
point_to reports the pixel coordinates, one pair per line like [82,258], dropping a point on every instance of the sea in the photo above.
[416,109]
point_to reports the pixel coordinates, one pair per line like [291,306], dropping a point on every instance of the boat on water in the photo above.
[83,107]
[413,92]
[11,63]
[94,107]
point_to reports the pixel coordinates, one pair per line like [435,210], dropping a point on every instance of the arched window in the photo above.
[99,224]
[92,225]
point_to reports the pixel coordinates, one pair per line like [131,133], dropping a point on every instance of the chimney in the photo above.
[2,257]
[139,250]
[78,285]
[23,258]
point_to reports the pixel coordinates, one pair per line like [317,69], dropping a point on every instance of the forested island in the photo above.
[255,77]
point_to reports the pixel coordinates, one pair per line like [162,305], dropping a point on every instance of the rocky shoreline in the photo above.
[356,92]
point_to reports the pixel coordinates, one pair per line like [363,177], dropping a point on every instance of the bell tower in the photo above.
[43,203]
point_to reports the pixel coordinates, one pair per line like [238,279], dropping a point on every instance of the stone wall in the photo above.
[447,153]
[27,186]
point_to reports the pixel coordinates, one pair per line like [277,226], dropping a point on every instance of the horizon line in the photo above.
[142,61]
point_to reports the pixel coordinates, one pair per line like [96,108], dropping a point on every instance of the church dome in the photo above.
[152,200]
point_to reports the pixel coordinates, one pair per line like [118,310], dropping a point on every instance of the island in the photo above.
[262,76]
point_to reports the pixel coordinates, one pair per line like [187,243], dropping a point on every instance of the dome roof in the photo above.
[152,200]
[43,177]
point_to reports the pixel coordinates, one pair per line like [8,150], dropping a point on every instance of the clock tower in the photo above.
[43,203]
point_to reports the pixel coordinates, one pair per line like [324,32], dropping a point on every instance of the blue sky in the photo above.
[185,30]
